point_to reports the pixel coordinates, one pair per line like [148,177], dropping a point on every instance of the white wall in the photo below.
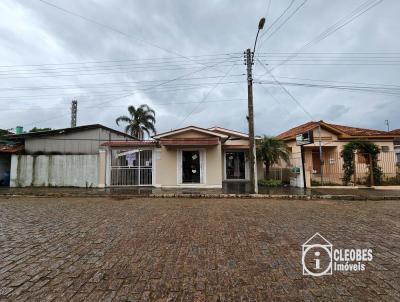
[54,170]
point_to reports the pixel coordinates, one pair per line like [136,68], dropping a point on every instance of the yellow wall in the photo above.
[167,166]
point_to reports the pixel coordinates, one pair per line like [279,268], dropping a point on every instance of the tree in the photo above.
[271,150]
[3,133]
[140,121]
[366,149]
[35,129]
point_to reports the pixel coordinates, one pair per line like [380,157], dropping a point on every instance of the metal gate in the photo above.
[131,167]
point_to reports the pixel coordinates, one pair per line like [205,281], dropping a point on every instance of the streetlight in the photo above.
[250,117]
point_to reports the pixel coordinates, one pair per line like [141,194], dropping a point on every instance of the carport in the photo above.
[6,150]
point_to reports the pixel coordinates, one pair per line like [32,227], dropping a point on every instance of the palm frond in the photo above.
[123,118]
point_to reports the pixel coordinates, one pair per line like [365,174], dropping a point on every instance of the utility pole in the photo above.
[250,118]
[74,113]
[249,61]
[321,158]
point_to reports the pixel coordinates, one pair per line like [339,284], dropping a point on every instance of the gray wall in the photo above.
[5,164]
[54,170]
[82,142]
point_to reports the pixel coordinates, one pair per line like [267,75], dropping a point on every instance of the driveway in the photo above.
[191,249]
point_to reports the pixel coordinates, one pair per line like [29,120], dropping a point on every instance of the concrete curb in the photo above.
[205,196]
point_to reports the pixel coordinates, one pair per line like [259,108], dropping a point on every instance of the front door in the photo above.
[316,163]
[190,167]
[235,165]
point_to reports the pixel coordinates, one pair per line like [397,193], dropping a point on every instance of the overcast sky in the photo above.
[184,59]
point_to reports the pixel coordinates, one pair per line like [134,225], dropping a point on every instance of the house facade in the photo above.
[61,157]
[190,157]
[396,134]
[322,159]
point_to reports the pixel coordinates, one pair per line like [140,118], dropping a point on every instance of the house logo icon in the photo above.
[317,256]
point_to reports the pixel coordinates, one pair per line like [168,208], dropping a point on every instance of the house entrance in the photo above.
[131,167]
[5,167]
[190,167]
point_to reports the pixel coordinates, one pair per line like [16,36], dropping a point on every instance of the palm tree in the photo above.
[271,150]
[141,121]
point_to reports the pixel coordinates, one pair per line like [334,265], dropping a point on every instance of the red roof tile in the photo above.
[395,132]
[291,133]
[346,130]
[11,148]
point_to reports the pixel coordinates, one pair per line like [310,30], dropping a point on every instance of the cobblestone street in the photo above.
[75,249]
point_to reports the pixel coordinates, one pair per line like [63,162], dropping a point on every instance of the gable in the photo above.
[189,134]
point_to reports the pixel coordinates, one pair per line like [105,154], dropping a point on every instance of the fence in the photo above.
[131,168]
[54,170]
[330,171]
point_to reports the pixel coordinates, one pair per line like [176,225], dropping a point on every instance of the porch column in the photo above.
[102,168]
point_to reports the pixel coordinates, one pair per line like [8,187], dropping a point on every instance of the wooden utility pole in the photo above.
[250,119]
[371,170]
[303,166]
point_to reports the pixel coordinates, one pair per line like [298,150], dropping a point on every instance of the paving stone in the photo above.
[200,249]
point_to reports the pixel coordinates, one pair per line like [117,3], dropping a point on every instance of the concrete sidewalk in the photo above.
[226,192]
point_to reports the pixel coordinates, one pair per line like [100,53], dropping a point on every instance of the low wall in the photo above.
[54,170]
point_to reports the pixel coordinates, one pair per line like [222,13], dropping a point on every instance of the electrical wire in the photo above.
[132,93]
[205,97]
[116,30]
[360,10]
[288,93]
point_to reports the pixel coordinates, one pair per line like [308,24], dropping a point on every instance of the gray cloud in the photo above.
[34,33]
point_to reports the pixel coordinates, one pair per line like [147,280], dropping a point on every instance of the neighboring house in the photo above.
[396,134]
[7,149]
[331,138]
[62,157]
[78,140]
[186,157]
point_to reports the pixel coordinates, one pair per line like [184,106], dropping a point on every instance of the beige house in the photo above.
[187,157]
[323,162]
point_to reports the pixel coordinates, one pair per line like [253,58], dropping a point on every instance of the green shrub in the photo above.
[270,183]
[390,181]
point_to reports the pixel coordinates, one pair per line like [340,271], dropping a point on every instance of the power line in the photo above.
[130,94]
[95,67]
[205,97]
[288,92]
[357,12]
[284,22]
[121,107]
[103,73]
[341,82]
[171,59]
[276,20]
[367,89]
[122,83]
[115,30]
[157,89]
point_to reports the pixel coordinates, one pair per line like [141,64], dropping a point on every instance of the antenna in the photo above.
[74,113]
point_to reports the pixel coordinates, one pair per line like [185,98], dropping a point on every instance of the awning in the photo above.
[235,147]
[128,144]
[213,141]
[9,149]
